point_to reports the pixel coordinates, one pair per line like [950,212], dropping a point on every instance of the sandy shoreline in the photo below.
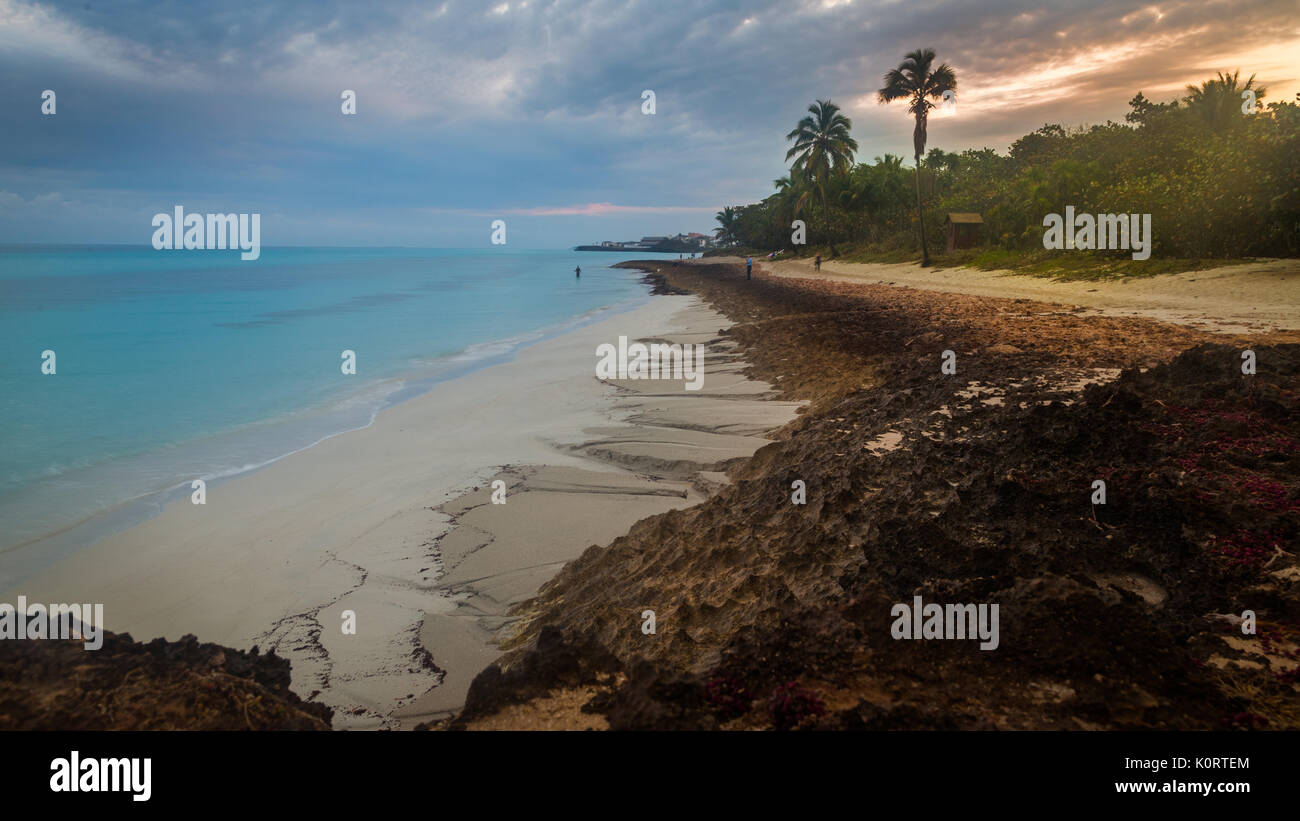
[393,521]
[1257,297]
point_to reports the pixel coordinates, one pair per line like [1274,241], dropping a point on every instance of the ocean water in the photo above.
[172,366]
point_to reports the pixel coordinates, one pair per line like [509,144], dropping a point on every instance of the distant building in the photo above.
[679,242]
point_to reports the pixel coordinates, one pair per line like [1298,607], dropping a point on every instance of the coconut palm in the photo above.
[922,86]
[792,194]
[788,186]
[822,147]
[728,220]
[890,162]
[1218,100]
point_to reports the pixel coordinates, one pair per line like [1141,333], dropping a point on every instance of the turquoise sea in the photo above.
[177,365]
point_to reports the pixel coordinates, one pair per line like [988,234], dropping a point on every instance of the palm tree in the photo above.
[788,186]
[822,146]
[914,81]
[792,194]
[1219,99]
[890,162]
[728,219]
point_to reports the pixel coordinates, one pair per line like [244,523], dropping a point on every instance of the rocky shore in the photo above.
[158,685]
[977,486]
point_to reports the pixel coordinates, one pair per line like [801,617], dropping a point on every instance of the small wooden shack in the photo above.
[963,230]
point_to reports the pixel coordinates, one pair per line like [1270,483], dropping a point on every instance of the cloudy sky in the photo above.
[531,110]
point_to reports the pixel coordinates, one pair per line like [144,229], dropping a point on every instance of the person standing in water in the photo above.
[749,267]
[577,272]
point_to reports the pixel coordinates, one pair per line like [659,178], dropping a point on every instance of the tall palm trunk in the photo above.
[918,145]
[925,252]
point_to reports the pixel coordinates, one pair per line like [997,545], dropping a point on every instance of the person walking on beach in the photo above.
[817,263]
[749,266]
[577,272]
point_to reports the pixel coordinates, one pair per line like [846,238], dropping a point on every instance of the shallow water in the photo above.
[173,366]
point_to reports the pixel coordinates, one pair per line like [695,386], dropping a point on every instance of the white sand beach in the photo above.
[394,521]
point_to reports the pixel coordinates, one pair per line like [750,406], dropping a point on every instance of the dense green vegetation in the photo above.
[1218,182]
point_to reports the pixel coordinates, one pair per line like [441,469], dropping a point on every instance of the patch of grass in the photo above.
[1076,265]
[875,254]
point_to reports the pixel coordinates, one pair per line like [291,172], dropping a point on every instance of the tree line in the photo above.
[1220,177]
